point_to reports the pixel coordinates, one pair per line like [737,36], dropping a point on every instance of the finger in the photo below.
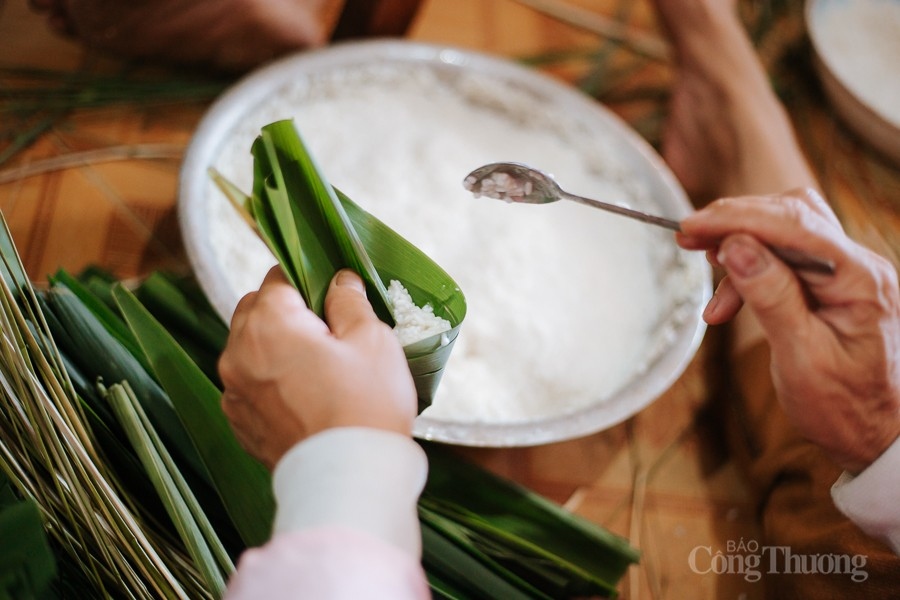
[793,225]
[243,308]
[346,305]
[815,201]
[233,407]
[274,286]
[694,242]
[787,221]
[277,293]
[236,411]
[768,287]
[274,276]
[280,311]
[724,304]
[245,305]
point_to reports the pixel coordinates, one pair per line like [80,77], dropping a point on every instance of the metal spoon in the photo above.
[515,182]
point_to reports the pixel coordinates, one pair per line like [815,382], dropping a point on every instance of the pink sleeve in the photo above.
[327,563]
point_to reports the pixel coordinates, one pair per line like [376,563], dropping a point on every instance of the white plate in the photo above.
[850,96]
[683,329]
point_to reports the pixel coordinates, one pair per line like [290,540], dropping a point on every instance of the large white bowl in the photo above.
[682,321]
[850,101]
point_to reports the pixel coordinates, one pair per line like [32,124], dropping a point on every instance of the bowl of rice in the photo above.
[577,319]
[856,46]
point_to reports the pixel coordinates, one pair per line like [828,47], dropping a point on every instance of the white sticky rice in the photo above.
[413,323]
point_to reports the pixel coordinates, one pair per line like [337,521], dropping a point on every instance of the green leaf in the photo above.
[242,483]
[164,294]
[395,258]
[99,281]
[197,329]
[193,527]
[442,589]
[112,322]
[27,567]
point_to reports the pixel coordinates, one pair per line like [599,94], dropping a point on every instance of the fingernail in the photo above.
[741,258]
[711,306]
[346,277]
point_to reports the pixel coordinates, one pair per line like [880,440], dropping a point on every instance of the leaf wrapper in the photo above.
[314,231]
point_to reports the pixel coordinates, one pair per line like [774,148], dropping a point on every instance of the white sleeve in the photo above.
[872,498]
[363,479]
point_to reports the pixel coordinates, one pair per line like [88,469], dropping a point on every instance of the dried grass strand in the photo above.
[90,157]
[641,42]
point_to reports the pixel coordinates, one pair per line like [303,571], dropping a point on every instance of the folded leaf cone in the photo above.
[314,231]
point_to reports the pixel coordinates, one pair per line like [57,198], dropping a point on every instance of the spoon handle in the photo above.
[801,261]
[796,259]
[628,212]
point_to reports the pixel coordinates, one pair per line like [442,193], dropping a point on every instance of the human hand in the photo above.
[287,375]
[835,339]
[231,35]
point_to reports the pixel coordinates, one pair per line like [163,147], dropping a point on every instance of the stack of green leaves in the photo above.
[314,230]
[62,449]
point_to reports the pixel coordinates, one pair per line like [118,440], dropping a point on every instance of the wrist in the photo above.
[381,420]
[869,449]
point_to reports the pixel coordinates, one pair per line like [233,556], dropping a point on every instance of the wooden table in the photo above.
[663,478]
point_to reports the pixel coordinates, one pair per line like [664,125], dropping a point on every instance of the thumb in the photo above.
[346,305]
[769,288]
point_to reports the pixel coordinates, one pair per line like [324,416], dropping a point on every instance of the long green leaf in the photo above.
[163,294]
[112,322]
[27,567]
[197,329]
[194,529]
[242,483]
[442,589]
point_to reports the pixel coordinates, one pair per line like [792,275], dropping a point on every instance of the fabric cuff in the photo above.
[870,498]
[355,477]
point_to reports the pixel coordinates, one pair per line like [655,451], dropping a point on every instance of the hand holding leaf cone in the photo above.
[314,230]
